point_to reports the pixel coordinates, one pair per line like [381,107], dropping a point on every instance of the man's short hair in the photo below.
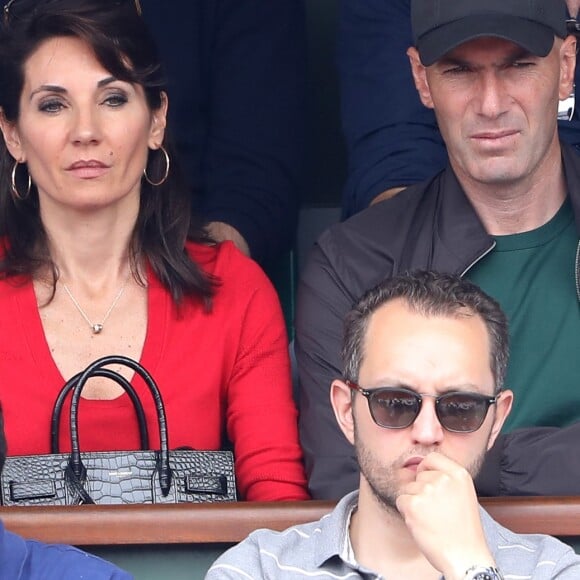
[429,294]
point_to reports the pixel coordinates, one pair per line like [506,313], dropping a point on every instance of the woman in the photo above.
[101,256]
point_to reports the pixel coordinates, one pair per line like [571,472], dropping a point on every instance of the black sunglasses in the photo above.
[15,7]
[398,407]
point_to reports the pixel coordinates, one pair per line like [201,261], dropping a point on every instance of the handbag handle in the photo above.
[109,374]
[75,462]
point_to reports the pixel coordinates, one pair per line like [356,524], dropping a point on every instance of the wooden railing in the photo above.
[229,523]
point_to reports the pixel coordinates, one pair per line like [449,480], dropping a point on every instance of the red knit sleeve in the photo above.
[261,414]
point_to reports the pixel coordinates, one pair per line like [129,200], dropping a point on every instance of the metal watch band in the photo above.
[483,573]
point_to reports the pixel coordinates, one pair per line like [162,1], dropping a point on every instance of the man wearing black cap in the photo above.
[439,26]
[505,213]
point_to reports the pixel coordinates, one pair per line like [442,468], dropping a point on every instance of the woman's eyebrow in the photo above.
[48,88]
[61,90]
[106,81]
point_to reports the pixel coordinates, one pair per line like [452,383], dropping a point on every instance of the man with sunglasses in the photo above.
[505,213]
[428,352]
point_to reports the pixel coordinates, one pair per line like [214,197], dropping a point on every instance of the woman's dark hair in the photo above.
[124,47]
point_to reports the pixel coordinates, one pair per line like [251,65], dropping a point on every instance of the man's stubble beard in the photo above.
[382,479]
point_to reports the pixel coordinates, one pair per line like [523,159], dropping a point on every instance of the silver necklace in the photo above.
[96,327]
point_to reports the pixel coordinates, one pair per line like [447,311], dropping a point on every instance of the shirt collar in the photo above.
[334,536]
[334,541]
[347,553]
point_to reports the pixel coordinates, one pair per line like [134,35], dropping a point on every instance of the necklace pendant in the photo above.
[97,327]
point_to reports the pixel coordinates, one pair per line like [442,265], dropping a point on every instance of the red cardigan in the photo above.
[226,371]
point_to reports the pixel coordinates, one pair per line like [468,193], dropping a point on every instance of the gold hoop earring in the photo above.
[165,175]
[15,193]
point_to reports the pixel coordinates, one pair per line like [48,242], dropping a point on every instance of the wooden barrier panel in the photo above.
[231,522]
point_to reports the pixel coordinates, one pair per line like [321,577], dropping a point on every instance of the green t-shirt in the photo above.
[532,275]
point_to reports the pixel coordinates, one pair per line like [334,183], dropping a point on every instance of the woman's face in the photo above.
[83,134]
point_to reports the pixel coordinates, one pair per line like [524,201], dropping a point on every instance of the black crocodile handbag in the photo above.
[117,477]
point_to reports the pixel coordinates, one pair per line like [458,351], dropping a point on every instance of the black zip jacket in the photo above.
[431,226]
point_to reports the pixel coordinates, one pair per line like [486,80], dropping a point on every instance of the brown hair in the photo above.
[430,294]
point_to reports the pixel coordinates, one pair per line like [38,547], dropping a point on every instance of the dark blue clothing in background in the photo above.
[237,100]
[392,139]
[22,559]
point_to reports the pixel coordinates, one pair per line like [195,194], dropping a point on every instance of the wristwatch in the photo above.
[483,573]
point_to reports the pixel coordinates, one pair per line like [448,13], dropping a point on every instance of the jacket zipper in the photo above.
[493,246]
[577,273]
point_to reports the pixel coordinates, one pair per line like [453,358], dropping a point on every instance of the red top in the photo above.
[223,371]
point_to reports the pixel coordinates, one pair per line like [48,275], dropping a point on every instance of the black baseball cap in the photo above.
[441,25]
